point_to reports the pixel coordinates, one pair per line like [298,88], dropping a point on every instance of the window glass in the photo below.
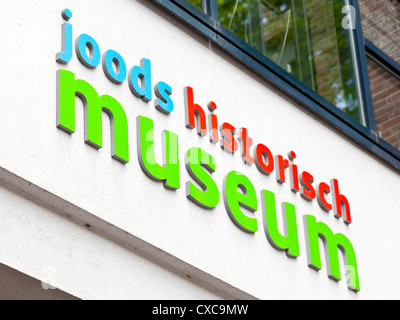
[310,39]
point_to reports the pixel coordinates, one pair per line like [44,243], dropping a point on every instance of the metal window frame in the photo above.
[382,58]
[206,22]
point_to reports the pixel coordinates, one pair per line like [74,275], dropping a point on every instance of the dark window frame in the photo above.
[382,58]
[206,22]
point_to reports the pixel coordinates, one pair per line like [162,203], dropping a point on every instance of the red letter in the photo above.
[282,165]
[262,150]
[228,141]
[213,128]
[337,200]
[323,189]
[245,142]
[307,190]
[294,182]
[194,113]
[213,123]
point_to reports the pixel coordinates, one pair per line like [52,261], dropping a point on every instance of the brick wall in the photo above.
[381,25]
[386,99]
[380,20]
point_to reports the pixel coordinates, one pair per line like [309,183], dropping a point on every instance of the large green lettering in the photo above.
[94,104]
[196,161]
[332,243]
[233,200]
[169,171]
[290,240]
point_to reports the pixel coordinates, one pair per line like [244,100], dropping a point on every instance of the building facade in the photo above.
[200,149]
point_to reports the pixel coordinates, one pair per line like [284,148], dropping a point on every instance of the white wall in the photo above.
[87,186]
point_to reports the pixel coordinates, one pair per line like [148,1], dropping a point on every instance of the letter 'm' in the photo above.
[93,104]
[332,242]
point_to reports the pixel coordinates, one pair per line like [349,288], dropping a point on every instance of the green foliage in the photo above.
[196,3]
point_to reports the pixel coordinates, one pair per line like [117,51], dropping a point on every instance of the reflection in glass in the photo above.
[196,3]
[304,37]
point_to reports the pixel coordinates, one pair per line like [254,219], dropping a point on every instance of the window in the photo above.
[310,39]
[311,50]
[306,38]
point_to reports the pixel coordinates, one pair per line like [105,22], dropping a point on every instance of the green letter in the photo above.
[208,196]
[332,242]
[234,199]
[68,87]
[290,240]
[169,171]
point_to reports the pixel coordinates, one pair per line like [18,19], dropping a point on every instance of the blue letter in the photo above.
[164,102]
[119,75]
[66,35]
[82,42]
[142,89]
